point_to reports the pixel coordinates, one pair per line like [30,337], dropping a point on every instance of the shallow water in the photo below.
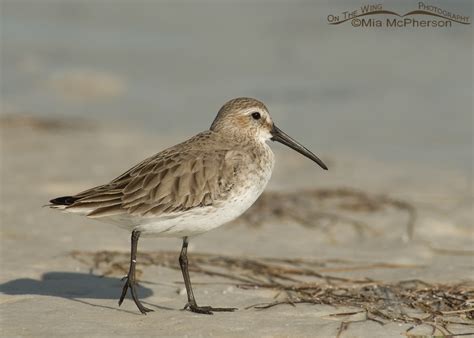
[394,95]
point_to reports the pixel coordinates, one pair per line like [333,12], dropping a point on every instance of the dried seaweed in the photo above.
[318,207]
[412,302]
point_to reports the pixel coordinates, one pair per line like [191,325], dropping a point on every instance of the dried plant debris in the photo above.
[297,281]
[325,208]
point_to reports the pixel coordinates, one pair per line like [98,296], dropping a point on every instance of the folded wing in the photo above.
[163,184]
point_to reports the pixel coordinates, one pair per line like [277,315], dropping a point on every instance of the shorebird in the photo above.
[190,188]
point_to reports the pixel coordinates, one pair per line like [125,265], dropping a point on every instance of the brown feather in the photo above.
[111,210]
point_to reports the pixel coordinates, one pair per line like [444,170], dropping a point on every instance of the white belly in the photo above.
[200,220]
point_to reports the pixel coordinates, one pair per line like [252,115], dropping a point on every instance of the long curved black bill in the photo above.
[279,136]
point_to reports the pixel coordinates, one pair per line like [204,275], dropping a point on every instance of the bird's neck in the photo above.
[243,140]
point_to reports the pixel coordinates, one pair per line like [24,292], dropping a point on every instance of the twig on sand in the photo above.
[414,302]
[325,208]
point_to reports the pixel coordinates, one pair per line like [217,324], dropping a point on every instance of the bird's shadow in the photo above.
[72,285]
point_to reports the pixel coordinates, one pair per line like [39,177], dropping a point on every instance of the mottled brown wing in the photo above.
[197,172]
[166,184]
[176,183]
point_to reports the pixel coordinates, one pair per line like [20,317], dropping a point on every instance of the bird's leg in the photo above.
[130,278]
[191,305]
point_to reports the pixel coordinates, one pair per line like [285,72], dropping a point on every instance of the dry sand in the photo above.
[47,292]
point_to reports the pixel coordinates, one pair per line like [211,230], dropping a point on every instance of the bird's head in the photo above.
[249,118]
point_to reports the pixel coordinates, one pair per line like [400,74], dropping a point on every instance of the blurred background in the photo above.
[166,67]
[90,87]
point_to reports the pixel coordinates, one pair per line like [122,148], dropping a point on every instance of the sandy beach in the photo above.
[53,283]
[381,245]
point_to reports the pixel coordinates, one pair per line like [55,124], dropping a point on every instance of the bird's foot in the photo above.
[130,283]
[207,310]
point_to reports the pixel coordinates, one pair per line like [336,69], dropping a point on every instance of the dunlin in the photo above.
[192,187]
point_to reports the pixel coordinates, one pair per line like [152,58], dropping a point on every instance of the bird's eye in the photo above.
[256,116]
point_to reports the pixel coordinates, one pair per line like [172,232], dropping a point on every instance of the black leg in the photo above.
[130,278]
[191,305]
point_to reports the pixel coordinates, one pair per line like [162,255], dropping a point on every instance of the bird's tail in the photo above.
[62,202]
